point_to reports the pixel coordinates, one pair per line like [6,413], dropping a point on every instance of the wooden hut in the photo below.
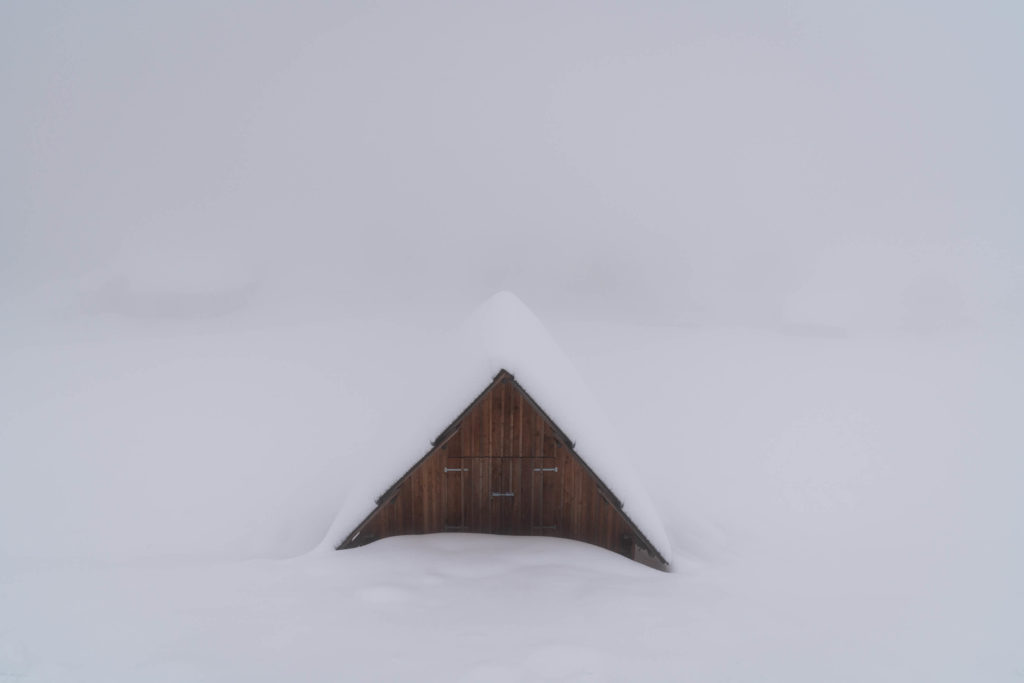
[504,467]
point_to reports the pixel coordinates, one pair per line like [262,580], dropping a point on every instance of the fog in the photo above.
[222,229]
[798,165]
[781,243]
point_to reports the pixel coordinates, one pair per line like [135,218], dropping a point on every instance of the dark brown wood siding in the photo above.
[503,467]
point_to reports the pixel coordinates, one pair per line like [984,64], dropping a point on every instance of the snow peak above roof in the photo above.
[505,341]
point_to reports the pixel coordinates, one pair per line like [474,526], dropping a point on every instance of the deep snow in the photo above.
[840,507]
[459,607]
[501,334]
[232,234]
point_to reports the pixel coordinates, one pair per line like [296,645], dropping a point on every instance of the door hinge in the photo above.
[496,494]
[545,469]
[456,469]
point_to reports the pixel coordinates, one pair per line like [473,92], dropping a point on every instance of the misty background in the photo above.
[821,165]
[227,229]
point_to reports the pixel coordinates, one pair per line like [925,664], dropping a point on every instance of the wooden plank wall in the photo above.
[503,444]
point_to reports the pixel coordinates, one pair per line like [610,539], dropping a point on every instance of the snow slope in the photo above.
[501,334]
[232,235]
[841,507]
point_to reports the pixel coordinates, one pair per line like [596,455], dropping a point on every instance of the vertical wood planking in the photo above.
[499,441]
[551,482]
[494,504]
[511,398]
[416,499]
[504,443]
[455,503]
[497,420]
[516,418]
[483,493]
[508,503]
[475,511]
[536,495]
[519,510]
[479,474]
[487,419]
[526,445]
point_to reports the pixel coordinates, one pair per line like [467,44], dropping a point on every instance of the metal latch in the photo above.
[495,494]
[545,469]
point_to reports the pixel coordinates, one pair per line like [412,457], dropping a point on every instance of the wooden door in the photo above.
[546,495]
[502,495]
[456,479]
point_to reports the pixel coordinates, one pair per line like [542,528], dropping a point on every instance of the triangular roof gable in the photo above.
[608,521]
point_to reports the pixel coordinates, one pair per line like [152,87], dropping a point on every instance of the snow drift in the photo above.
[501,334]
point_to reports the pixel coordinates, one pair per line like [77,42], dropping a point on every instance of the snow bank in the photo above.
[501,334]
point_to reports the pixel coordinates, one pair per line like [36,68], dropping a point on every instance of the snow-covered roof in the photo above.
[502,334]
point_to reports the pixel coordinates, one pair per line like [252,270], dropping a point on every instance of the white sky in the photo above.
[217,220]
[825,164]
